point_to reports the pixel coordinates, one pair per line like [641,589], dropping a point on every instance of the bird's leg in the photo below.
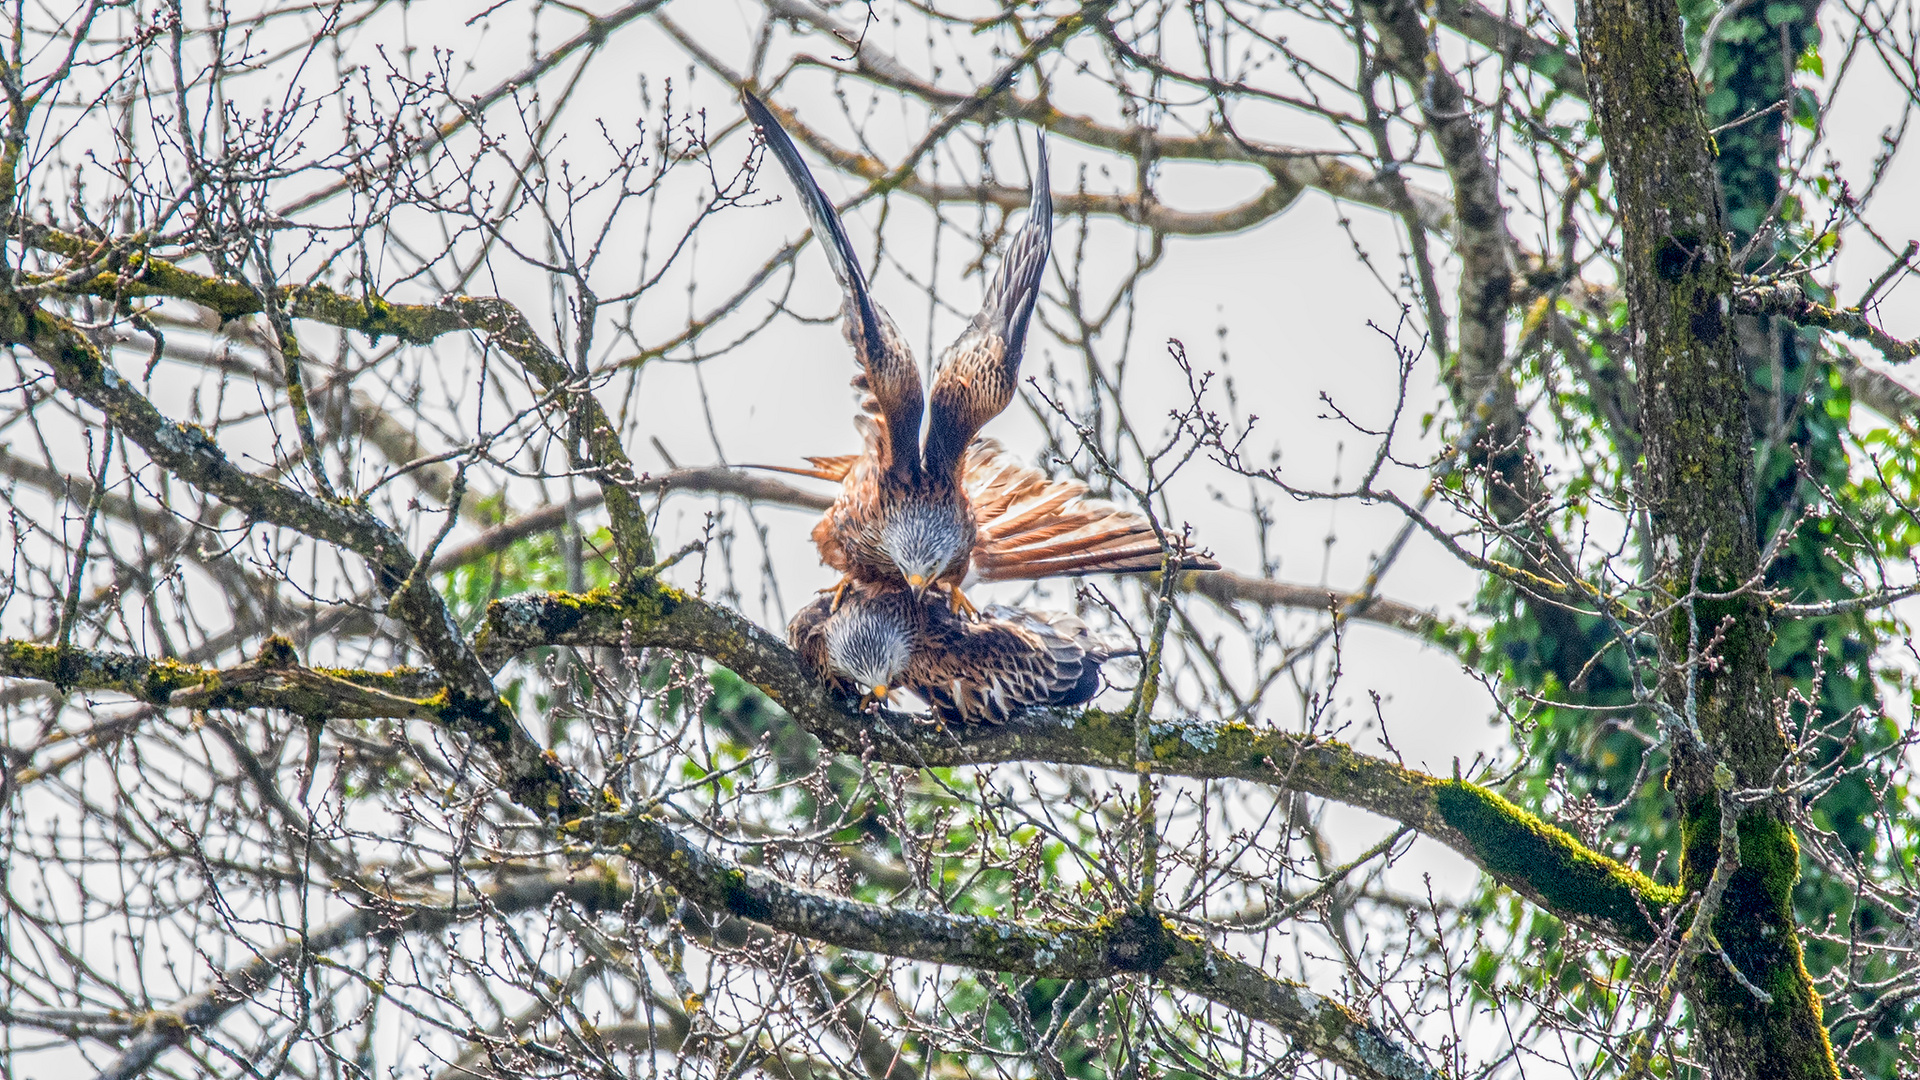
[958,601]
[839,591]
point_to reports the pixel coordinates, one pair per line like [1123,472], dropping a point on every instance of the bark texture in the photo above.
[1697,483]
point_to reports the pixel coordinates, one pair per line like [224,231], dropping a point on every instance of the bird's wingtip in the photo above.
[1042,182]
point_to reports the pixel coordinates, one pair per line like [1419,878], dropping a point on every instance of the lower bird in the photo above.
[981,671]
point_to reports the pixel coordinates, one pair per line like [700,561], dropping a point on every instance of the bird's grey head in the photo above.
[923,540]
[870,644]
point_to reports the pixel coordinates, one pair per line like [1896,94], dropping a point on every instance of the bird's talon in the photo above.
[839,592]
[961,605]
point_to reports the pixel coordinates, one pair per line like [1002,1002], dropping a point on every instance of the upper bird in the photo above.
[902,514]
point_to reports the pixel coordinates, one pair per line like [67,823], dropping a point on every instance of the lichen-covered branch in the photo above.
[272,680]
[602,454]
[1138,942]
[504,326]
[1792,301]
[190,453]
[1698,486]
[1522,852]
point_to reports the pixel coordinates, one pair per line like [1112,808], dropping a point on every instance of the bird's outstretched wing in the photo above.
[1031,526]
[887,370]
[979,372]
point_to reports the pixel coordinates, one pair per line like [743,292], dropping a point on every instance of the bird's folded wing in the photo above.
[1031,526]
[807,634]
[991,670]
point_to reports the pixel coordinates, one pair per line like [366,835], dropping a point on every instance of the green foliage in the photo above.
[535,563]
[1570,674]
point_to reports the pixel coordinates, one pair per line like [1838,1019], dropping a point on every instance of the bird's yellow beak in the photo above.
[875,697]
[917,583]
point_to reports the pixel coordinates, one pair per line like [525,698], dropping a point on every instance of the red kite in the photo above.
[930,515]
[981,671]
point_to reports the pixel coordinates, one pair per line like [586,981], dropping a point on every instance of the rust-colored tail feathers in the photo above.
[1034,527]
[824,468]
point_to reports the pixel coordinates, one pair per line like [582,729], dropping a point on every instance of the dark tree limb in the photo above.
[1521,851]
[1139,942]
[190,453]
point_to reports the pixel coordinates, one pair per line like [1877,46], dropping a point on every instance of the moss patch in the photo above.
[1572,879]
[1756,928]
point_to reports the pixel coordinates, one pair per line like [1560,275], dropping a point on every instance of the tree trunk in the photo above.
[1697,485]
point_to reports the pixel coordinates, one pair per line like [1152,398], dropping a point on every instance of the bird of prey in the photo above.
[1028,525]
[902,513]
[985,670]
[958,509]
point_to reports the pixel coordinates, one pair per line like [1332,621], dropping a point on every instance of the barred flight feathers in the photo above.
[930,517]
[1030,526]
[1007,662]
[979,372]
[888,373]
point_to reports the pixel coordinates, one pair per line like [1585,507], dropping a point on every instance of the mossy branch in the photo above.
[1135,942]
[644,612]
[273,680]
[506,328]
[472,705]
[1698,487]
[1791,300]
[1521,851]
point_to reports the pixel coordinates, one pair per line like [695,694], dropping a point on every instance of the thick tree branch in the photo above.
[422,323]
[1877,390]
[273,680]
[1521,851]
[646,613]
[1698,487]
[1137,942]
